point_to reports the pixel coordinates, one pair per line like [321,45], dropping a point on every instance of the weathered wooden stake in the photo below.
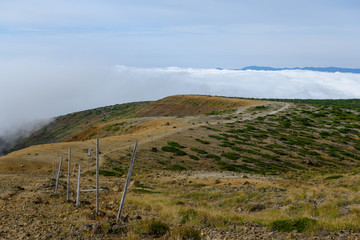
[78,188]
[58,175]
[68,179]
[97,175]
[53,169]
[73,171]
[126,183]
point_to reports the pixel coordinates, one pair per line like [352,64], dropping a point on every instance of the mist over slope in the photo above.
[49,89]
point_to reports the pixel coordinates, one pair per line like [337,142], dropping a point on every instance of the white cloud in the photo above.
[39,89]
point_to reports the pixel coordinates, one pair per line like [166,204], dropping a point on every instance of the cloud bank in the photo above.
[32,90]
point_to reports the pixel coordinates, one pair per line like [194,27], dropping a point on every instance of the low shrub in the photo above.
[333,177]
[175,144]
[174,150]
[186,215]
[187,233]
[213,156]
[177,167]
[157,228]
[300,224]
[198,150]
[202,141]
[193,157]
[231,155]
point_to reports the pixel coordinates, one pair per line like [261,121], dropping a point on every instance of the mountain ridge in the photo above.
[315,69]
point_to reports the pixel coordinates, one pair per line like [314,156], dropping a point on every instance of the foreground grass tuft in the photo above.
[300,225]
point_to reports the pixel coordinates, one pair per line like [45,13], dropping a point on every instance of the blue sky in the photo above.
[201,33]
[64,56]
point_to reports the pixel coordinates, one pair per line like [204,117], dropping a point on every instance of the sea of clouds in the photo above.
[39,90]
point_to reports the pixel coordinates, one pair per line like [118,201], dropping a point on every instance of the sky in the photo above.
[58,57]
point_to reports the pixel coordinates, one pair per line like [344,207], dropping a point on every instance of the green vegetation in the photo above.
[202,141]
[300,225]
[231,155]
[157,228]
[175,144]
[193,157]
[189,233]
[174,150]
[177,167]
[333,177]
[186,215]
[198,150]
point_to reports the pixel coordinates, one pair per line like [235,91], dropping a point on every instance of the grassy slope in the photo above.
[105,121]
[64,127]
[307,139]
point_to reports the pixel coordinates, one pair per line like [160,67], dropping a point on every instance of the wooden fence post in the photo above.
[97,175]
[78,188]
[58,175]
[53,169]
[126,184]
[68,179]
[73,171]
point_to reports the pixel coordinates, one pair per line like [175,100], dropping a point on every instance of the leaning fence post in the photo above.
[53,169]
[68,179]
[97,175]
[78,188]
[73,171]
[126,184]
[58,175]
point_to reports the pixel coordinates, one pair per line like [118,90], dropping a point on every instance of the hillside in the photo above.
[108,121]
[240,169]
[64,127]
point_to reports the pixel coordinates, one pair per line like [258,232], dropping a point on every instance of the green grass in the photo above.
[177,167]
[193,157]
[202,141]
[174,150]
[175,144]
[194,149]
[300,225]
[333,177]
[231,155]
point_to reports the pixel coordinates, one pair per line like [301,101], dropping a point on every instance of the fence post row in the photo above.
[126,184]
[58,173]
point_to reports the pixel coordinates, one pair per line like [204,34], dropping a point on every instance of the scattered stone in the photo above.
[38,200]
[47,236]
[87,227]
[310,163]
[257,207]
[323,233]
[17,187]
[85,202]
[101,214]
